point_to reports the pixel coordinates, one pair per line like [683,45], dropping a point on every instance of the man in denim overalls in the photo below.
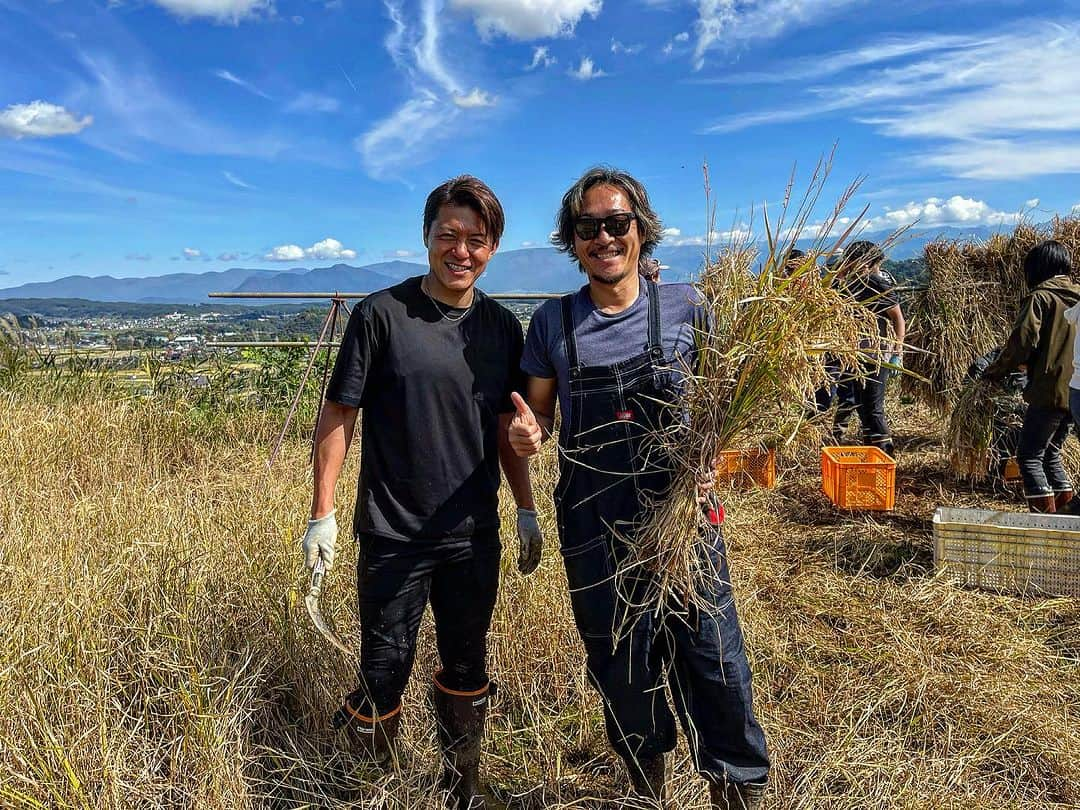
[610,354]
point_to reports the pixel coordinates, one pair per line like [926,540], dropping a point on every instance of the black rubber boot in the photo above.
[371,737]
[647,776]
[461,717]
[735,796]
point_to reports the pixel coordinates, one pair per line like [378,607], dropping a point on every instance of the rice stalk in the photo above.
[772,335]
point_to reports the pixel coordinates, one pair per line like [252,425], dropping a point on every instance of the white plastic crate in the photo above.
[1009,551]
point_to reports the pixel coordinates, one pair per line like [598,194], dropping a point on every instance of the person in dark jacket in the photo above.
[863,277]
[1042,340]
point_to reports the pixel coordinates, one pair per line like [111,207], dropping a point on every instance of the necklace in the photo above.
[443,313]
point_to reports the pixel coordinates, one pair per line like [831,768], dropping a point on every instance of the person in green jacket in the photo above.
[1042,340]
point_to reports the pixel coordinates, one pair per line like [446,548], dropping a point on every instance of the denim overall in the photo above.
[607,472]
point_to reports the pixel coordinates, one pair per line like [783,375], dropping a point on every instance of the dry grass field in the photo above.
[155,652]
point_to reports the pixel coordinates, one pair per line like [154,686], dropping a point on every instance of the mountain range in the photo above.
[531,270]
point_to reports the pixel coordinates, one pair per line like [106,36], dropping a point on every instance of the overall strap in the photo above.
[569,340]
[656,346]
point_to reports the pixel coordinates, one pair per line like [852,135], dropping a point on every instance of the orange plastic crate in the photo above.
[858,477]
[746,469]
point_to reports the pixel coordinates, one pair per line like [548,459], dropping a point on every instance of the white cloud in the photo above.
[586,70]
[406,135]
[395,141]
[133,107]
[541,58]
[678,39]
[1004,160]
[528,19]
[992,107]
[1032,203]
[671,233]
[228,257]
[191,254]
[737,235]
[619,47]
[401,253]
[886,49]
[40,119]
[955,210]
[313,103]
[232,78]
[1075,210]
[475,98]
[528,244]
[236,181]
[285,253]
[729,23]
[327,250]
[222,11]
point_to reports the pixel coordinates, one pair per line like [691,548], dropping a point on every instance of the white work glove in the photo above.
[897,363]
[530,539]
[320,540]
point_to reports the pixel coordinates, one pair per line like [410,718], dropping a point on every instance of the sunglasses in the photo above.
[588,228]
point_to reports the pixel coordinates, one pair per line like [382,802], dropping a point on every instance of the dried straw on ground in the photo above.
[154,651]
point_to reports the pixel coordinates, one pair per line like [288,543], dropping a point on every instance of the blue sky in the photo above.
[140,137]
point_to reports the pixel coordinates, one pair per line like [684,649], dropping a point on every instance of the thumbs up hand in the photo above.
[525,433]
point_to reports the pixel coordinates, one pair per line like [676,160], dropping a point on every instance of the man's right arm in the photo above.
[332,440]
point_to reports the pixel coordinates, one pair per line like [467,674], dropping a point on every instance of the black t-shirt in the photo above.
[876,291]
[431,390]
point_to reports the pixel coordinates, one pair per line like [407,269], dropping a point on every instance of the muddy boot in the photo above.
[1041,503]
[460,717]
[1062,500]
[735,796]
[369,736]
[647,776]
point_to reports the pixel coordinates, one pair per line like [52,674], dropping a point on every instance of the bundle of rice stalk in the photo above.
[951,322]
[1067,231]
[773,334]
[971,430]
[971,299]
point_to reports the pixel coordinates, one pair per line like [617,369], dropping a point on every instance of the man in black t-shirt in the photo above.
[862,276]
[432,362]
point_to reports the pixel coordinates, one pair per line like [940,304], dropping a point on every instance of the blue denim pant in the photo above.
[1039,451]
[700,655]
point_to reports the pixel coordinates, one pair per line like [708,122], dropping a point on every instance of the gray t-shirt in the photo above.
[607,339]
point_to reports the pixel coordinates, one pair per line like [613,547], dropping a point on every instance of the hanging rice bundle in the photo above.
[970,301]
[774,331]
[950,323]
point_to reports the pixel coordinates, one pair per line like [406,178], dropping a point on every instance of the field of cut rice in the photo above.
[155,652]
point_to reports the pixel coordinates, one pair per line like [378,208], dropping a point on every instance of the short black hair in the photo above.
[468,192]
[862,253]
[1046,260]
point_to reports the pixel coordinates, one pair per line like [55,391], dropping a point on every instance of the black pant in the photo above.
[867,395]
[395,580]
[1039,451]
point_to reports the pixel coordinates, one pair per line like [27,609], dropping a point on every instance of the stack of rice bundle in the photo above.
[968,306]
